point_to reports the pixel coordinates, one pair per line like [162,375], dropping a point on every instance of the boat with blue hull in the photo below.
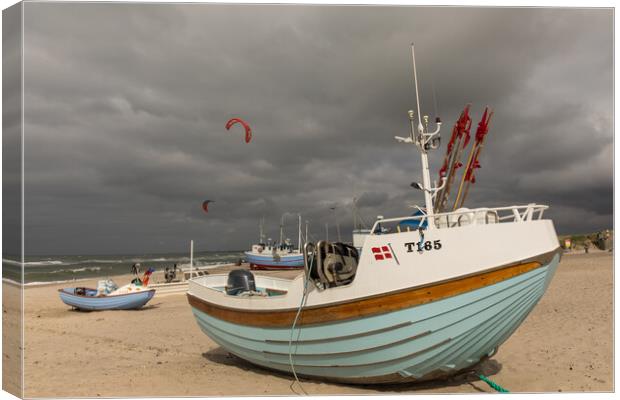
[277,261]
[91,299]
[270,255]
[419,297]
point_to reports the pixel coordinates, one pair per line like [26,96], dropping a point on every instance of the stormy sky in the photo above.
[126,106]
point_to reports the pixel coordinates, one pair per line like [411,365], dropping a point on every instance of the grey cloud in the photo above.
[126,106]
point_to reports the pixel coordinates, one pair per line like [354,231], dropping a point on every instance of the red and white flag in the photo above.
[382,253]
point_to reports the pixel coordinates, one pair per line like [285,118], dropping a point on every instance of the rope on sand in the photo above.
[493,384]
[304,298]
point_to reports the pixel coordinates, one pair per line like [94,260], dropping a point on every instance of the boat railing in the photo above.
[462,217]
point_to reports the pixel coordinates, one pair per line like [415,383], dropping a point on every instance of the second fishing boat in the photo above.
[271,255]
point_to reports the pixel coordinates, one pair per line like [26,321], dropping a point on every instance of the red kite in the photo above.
[205,205]
[248,130]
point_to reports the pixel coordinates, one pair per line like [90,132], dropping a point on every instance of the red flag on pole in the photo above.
[459,130]
[481,132]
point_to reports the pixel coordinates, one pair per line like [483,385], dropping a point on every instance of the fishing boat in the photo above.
[271,255]
[413,305]
[108,296]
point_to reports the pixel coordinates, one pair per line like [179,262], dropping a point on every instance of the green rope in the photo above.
[493,384]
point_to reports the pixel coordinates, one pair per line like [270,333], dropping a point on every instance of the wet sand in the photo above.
[565,344]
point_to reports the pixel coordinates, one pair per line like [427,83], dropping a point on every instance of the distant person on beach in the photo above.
[135,269]
[170,273]
[586,245]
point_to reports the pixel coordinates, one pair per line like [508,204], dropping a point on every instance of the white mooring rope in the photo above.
[304,298]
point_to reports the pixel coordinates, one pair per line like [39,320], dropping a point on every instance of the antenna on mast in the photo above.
[299,247]
[282,229]
[417,97]
[434,94]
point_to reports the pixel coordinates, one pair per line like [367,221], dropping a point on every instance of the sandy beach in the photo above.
[11,338]
[566,345]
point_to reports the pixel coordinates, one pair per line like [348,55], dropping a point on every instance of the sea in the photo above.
[57,269]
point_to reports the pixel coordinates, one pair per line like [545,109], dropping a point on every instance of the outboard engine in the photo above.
[239,281]
[331,264]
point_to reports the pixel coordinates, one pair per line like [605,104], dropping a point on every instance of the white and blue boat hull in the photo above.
[128,301]
[268,261]
[416,343]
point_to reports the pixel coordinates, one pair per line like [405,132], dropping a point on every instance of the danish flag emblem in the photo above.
[382,253]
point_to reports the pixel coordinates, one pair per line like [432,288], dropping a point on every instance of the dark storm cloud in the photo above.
[126,106]
[11,128]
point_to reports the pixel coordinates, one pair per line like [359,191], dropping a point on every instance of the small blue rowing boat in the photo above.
[91,299]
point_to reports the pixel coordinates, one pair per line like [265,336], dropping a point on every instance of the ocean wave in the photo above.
[11,262]
[83,269]
[76,260]
[90,261]
[94,261]
[132,260]
[43,263]
[11,282]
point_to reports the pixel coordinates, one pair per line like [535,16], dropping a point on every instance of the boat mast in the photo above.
[282,230]
[354,215]
[426,176]
[261,224]
[337,223]
[191,258]
[424,140]
[299,240]
[306,237]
